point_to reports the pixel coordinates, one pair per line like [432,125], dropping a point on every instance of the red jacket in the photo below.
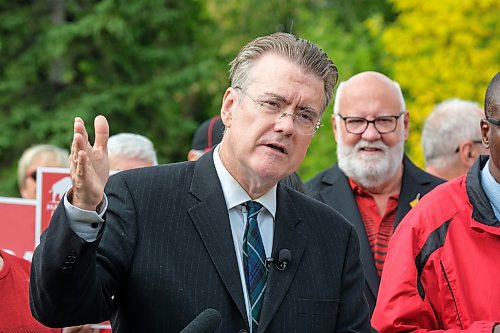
[15,314]
[442,271]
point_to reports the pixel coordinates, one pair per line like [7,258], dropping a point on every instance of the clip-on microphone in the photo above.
[284,258]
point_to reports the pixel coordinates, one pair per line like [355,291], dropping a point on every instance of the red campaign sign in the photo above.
[51,184]
[17,225]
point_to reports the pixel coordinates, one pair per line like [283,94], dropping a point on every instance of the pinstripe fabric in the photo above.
[166,254]
[254,262]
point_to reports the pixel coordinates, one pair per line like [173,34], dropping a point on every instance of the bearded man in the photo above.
[374,184]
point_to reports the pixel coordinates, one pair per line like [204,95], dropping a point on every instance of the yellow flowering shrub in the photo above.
[439,50]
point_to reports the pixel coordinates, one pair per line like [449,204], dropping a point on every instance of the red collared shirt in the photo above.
[379,229]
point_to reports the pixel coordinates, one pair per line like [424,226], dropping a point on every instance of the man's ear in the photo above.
[466,153]
[485,129]
[334,126]
[406,122]
[228,103]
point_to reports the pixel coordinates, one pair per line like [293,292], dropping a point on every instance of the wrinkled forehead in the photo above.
[372,97]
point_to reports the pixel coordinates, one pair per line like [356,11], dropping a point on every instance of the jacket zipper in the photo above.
[452,295]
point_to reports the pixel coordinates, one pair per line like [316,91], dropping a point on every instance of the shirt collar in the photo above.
[491,188]
[234,194]
[358,190]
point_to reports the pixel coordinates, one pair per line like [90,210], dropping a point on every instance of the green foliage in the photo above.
[153,67]
[134,62]
[453,52]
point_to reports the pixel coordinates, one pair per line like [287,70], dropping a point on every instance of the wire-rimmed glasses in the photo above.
[306,120]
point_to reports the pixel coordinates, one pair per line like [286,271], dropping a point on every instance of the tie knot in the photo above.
[253,207]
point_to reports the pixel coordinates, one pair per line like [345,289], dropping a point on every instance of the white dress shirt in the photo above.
[235,197]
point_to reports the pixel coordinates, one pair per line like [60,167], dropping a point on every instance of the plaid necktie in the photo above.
[254,258]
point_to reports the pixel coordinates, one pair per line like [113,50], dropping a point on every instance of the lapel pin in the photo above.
[415,201]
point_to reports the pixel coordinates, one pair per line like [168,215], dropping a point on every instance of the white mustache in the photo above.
[363,144]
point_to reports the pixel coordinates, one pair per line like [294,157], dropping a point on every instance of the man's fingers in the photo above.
[79,127]
[101,133]
[80,165]
[79,143]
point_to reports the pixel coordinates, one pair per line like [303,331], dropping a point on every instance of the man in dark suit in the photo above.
[164,243]
[374,184]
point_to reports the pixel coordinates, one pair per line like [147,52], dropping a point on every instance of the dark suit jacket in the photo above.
[166,253]
[332,187]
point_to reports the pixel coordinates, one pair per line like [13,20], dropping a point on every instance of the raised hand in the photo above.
[89,164]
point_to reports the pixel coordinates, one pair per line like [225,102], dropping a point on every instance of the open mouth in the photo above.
[370,149]
[278,148]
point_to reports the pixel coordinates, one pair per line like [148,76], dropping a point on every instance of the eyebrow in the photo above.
[386,115]
[283,100]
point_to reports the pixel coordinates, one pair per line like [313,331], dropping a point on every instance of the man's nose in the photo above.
[371,133]
[285,123]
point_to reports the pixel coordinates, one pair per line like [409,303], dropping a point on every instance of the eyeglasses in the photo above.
[31,175]
[305,120]
[473,141]
[493,121]
[383,125]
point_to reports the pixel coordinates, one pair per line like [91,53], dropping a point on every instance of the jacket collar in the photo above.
[481,207]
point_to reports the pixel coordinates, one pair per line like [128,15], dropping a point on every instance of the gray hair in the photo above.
[58,155]
[300,51]
[132,145]
[492,96]
[340,88]
[449,124]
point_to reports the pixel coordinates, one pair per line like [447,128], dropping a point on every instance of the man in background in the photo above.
[451,138]
[129,151]
[374,184]
[208,134]
[442,272]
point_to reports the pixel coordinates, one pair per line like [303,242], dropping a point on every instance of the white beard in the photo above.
[369,171]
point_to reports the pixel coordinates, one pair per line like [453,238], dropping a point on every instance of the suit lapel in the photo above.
[411,188]
[339,196]
[285,237]
[211,219]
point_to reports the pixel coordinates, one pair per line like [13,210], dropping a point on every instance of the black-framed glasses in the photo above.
[383,124]
[307,121]
[493,121]
[473,141]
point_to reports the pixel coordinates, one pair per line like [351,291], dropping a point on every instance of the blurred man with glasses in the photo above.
[40,155]
[442,270]
[374,184]
[451,138]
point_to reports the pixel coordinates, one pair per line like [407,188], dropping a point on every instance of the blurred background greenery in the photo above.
[160,67]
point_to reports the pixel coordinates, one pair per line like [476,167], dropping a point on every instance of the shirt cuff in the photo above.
[85,223]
